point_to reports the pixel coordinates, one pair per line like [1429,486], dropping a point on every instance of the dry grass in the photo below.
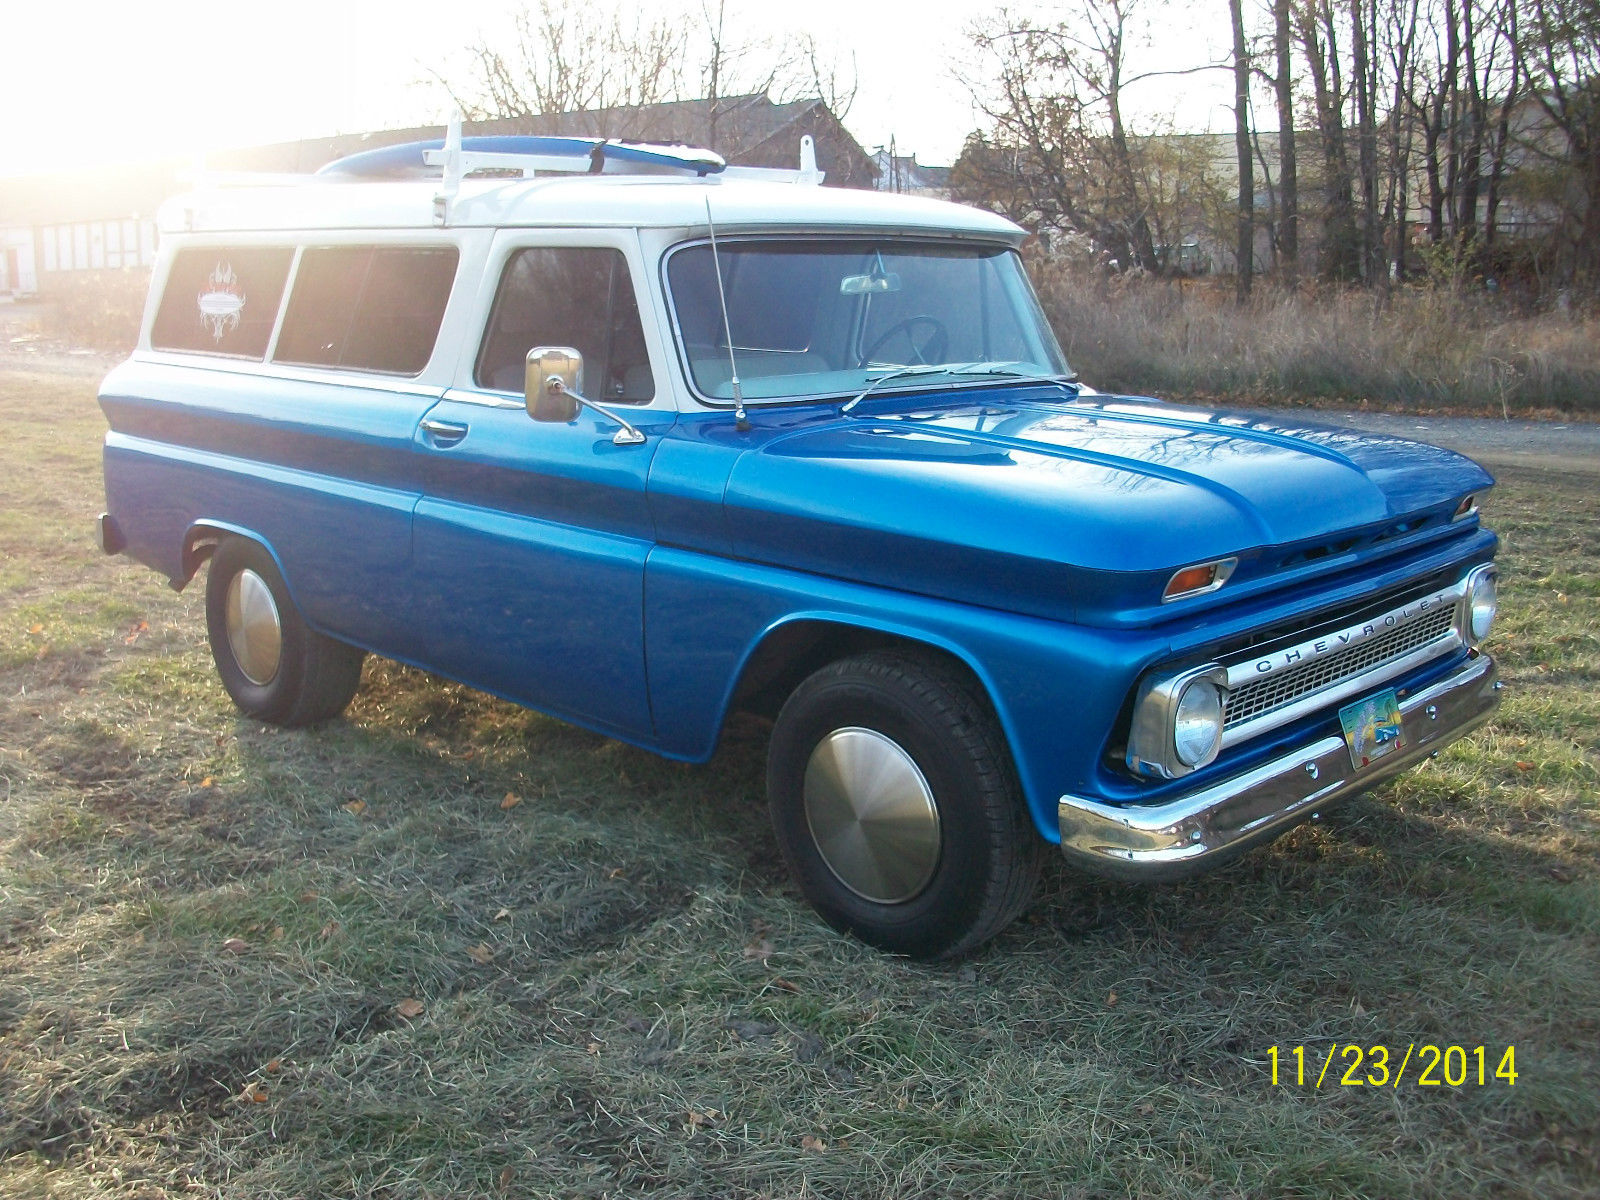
[621,995]
[93,310]
[1428,350]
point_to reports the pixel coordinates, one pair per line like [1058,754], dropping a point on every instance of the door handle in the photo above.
[445,432]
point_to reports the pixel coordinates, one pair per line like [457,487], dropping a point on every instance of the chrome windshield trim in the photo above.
[912,383]
[1283,661]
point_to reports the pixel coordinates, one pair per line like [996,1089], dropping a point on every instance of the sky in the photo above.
[87,81]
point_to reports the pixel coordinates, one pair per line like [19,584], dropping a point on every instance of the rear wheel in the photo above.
[897,806]
[274,666]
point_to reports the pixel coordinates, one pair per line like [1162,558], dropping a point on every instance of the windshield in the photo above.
[825,318]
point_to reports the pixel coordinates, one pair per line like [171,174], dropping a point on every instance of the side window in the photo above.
[569,296]
[222,300]
[370,308]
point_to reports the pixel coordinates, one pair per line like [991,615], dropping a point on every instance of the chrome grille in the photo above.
[1259,697]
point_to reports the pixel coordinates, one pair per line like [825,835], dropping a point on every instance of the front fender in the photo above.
[1055,688]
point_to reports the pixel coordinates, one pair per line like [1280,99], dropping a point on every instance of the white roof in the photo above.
[623,201]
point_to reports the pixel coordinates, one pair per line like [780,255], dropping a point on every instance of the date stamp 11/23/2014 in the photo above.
[1420,1065]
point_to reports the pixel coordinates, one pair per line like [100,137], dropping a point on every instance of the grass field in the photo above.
[446,947]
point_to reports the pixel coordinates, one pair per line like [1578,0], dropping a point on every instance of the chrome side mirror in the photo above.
[552,379]
[552,389]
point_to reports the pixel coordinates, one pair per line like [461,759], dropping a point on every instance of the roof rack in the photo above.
[456,157]
[568,155]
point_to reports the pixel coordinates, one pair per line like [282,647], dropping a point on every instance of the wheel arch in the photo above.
[789,650]
[201,540]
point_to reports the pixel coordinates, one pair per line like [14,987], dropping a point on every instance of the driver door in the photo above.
[530,540]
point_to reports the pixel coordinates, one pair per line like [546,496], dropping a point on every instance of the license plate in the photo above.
[1372,728]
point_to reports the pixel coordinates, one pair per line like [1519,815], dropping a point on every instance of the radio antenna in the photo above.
[741,421]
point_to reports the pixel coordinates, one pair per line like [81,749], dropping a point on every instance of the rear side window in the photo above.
[569,296]
[222,300]
[370,308]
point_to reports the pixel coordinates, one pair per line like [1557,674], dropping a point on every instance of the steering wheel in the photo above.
[930,349]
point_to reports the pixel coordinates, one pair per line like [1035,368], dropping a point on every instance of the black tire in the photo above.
[988,851]
[314,676]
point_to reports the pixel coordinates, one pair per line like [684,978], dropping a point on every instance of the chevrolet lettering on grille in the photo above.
[1266,691]
[1297,656]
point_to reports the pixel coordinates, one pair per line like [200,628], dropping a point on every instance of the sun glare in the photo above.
[183,78]
[106,82]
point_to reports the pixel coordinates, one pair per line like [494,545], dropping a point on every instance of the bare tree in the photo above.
[560,59]
[1288,191]
[1319,38]
[1399,32]
[733,68]
[1510,98]
[567,59]
[1435,121]
[1053,99]
[1560,54]
[1246,246]
[1366,86]
[1033,159]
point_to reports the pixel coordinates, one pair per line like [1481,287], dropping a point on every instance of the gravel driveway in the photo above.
[1562,445]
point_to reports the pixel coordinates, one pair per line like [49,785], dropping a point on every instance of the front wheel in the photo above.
[897,807]
[275,667]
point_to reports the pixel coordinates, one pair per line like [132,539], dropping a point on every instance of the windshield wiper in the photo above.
[900,373]
[972,368]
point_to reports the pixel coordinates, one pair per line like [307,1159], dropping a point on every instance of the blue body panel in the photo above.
[322,474]
[1025,532]
[529,549]
[1074,511]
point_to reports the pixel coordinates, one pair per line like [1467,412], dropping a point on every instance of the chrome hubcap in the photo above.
[255,634]
[872,815]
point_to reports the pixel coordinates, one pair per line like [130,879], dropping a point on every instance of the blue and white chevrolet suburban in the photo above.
[639,441]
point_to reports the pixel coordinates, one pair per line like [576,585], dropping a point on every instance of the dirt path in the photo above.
[25,347]
[1558,445]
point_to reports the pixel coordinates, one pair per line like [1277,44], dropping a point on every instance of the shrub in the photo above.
[95,310]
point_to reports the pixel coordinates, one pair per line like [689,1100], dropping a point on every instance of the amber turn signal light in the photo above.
[1196,580]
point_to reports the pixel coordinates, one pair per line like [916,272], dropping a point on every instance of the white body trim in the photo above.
[582,201]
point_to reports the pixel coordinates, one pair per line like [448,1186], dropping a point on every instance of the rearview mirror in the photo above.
[552,375]
[860,285]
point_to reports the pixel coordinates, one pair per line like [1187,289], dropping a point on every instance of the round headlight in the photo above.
[1482,601]
[1197,723]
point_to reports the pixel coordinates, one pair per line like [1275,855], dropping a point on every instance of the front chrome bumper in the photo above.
[1197,831]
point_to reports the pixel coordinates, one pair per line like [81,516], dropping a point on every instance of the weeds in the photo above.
[96,310]
[1427,349]
[210,932]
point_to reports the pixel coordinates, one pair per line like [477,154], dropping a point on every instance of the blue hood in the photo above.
[1024,501]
